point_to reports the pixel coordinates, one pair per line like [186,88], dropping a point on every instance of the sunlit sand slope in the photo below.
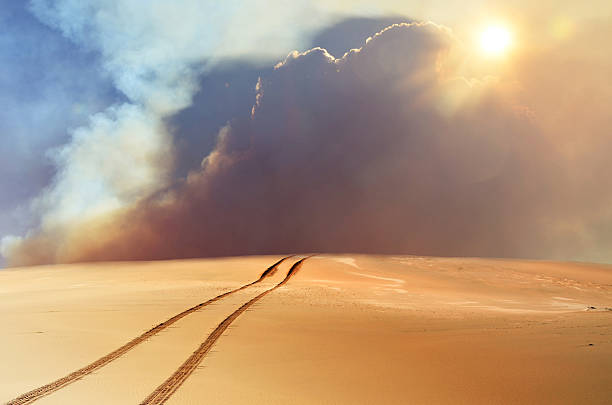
[326,329]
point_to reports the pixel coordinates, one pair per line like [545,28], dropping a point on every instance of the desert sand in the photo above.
[343,329]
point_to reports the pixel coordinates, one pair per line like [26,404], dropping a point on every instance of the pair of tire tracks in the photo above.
[163,392]
[40,392]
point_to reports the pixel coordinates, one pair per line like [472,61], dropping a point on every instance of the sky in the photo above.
[135,130]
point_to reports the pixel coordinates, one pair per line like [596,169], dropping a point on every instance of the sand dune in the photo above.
[40,392]
[172,384]
[344,329]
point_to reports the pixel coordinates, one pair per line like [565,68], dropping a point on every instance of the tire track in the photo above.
[162,393]
[47,389]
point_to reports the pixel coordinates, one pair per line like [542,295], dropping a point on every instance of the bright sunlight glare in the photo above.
[495,40]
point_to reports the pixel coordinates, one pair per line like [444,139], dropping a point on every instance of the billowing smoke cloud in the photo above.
[381,150]
[154,56]
[125,152]
[47,84]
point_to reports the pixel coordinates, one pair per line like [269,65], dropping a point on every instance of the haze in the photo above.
[474,129]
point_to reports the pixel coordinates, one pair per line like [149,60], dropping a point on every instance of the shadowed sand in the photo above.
[361,329]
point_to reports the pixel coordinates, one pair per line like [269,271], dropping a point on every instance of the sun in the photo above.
[495,40]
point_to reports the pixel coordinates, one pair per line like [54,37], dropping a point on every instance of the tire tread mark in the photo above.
[164,391]
[47,389]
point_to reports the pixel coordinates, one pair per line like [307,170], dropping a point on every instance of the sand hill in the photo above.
[349,329]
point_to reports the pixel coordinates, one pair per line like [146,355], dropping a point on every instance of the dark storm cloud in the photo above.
[366,153]
[225,93]
[350,33]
